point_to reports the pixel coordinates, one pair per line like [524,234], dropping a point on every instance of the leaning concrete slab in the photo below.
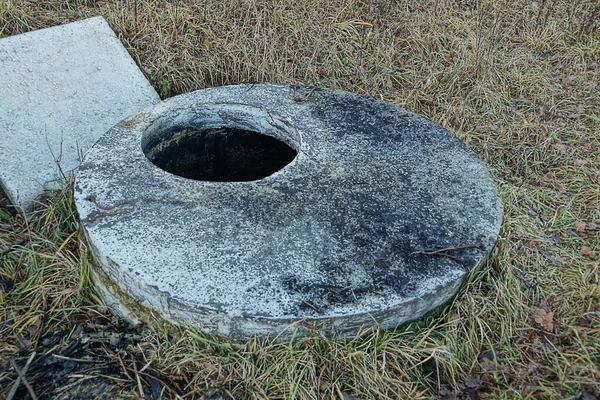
[262,210]
[61,88]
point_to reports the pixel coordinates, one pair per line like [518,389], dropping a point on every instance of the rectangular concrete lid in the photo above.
[62,88]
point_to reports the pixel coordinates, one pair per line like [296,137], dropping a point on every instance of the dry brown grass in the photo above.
[518,81]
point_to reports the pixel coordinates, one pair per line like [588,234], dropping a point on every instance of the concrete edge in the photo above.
[130,310]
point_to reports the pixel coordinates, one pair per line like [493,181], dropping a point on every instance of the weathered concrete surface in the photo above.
[61,88]
[332,241]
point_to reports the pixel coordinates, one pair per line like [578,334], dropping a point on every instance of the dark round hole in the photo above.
[220,154]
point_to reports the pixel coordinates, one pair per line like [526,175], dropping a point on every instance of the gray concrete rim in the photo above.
[297,230]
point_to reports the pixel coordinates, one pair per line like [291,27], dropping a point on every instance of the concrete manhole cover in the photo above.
[244,211]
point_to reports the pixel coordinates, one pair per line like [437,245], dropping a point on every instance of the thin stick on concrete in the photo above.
[444,252]
[306,97]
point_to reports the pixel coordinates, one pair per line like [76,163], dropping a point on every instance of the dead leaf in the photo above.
[531,244]
[579,110]
[574,113]
[553,259]
[568,81]
[581,163]
[529,337]
[580,227]
[473,383]
[542,110]
[449,394]
[598,374]
[487,378]
[454,318]
[210,367]
[450,56]
[556,239]
[206,44]
[324,385]
[559,188]
[487,364]
[544,319]
[588,146]
[563,148]
[569,233]
[24,344]
[587,252]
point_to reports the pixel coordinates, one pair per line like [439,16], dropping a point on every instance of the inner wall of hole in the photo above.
[220,154]
[262,142]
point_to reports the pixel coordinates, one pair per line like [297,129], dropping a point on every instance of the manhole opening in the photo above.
[219,154]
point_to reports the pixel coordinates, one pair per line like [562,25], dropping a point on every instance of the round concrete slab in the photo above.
[257,209]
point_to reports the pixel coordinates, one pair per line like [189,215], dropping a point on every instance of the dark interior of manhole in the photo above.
[220,154]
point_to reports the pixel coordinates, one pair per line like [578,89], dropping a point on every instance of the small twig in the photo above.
[51,351]
[444,252]
[80,360]
[161,382]
[131,208]
[92,198]
[21,378]
[251,86]
[308,304]
[112,378]
[447,249]
[145,367]
[139,381]
[303,99]
[40,330]
[124,368]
